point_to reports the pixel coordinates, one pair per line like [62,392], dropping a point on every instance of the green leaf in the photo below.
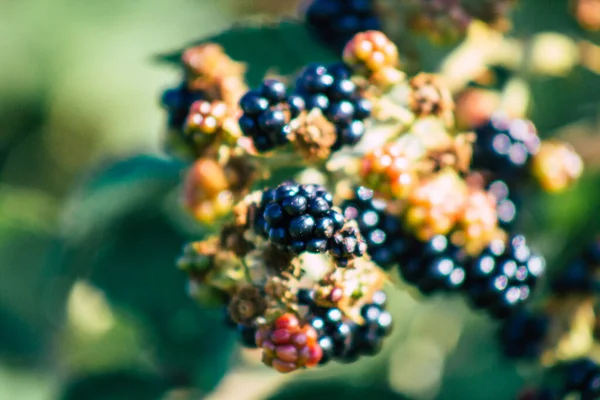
[31,293]
[118,189]
[117,385]
[128,251]
[283,47]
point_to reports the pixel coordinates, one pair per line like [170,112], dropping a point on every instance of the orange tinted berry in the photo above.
[388,170]
[478,222]
[371,51]
[434,206]
[556,166]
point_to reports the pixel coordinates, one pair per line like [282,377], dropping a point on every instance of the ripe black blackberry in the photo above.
[330,89]
[522,335]
[267,112]
[300,218]
[336,21]
[177,101]
[433,266]
[383,232]
[503,276]
[583,377]
[580,275]
[504,146]
[507,203]
[345,341]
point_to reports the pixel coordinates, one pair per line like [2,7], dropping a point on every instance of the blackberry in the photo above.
[505,146]
[345,341]
[377,325]
[267,112]
[177,101]
[507,203]
[583,377]
[435,265]
[580,275]
[503,276]
[330,89]
[383,232]
[336,21]
[259,223]
[300,218]
[523,334]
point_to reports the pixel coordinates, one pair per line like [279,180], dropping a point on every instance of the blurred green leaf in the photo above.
[132,260]
[314,390]
[283,48]
[107,194]
[118,385]
[19,341]
[31,292]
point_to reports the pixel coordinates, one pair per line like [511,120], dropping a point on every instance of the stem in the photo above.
[247,271]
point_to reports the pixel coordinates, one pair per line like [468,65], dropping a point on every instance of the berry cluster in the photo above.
[580,379]
[435,205]
[435,265]
[330,89]
[563,326]
[341,338]
[208,123]
[267,112]
[300,218]
[523,335]
[287,345]
[580,276]
[206,191]
[505,146]
[200,107]
[503,275]
[383,232]
[389,170]
[336,21]
[302,278]
[177,102]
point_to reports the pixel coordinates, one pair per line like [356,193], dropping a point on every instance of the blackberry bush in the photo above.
[310,234]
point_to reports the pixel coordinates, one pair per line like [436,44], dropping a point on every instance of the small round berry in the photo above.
[252,104]
[295,205]
[273,213]
[302,227]
[273,90]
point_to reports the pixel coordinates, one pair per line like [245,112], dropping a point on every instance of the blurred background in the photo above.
[91,305]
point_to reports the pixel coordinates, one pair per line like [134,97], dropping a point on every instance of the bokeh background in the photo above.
[91,305]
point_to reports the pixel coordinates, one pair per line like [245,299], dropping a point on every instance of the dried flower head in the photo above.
[247,304]
[430,97]
[313,136]
[210,70]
